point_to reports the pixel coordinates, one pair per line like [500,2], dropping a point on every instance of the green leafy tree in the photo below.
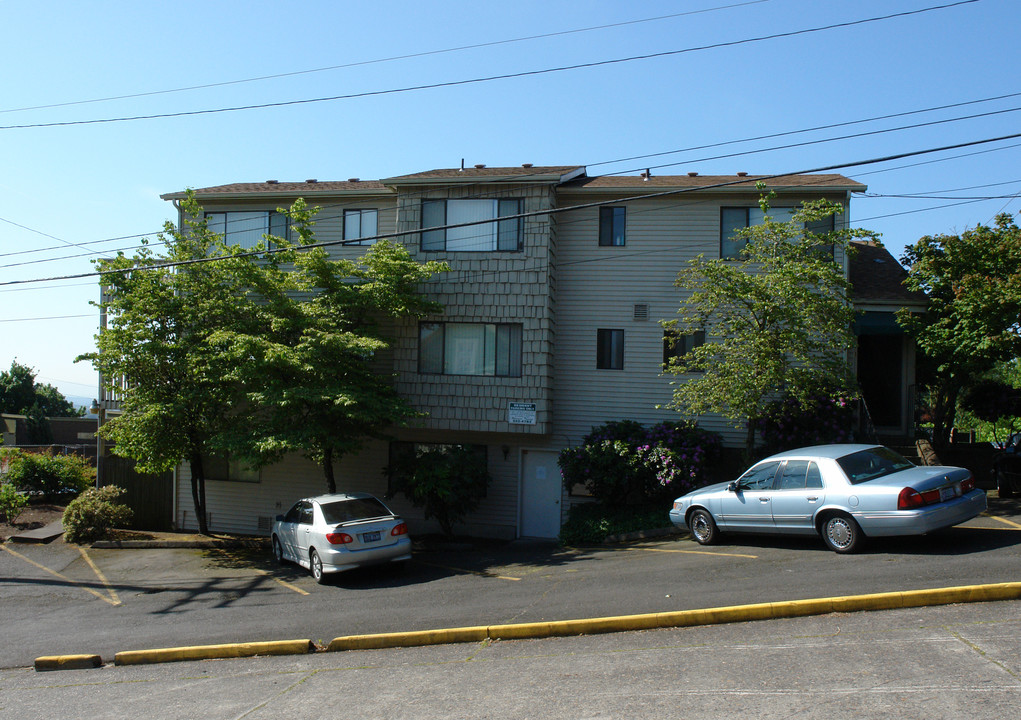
[777,319]
[20,394]
[312,380]
[973,282]
[447,482]
[165,318]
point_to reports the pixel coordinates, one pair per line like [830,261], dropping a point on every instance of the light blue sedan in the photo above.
[331,533]
[844,493]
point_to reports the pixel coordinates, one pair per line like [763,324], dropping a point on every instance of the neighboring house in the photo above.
[550,324]
[69,435]
[885,357]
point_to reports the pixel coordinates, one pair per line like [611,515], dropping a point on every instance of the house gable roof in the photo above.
[878,279]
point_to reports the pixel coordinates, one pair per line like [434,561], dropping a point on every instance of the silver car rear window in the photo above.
[873,463]
[354,509]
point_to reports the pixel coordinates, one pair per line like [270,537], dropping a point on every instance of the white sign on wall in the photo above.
[521,413]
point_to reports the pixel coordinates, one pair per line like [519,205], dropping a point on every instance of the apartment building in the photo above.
[557,284]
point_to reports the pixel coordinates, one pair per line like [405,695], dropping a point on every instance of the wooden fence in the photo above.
[150,497]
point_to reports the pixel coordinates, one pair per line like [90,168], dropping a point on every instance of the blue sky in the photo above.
[82,183]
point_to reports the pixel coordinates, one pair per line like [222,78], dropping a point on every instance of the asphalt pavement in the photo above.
[61,600]
[932,662]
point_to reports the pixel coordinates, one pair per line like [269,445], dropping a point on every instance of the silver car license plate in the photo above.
[948,493]
[371,536]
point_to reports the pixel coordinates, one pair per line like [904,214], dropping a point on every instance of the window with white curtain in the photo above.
[245,229]
[470,349]
[501,235]
[360,224]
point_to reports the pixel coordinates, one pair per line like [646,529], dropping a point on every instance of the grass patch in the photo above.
[593,522]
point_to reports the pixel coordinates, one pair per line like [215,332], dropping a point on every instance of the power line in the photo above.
[666,165]
[491,78]
[409,56]
[536,213]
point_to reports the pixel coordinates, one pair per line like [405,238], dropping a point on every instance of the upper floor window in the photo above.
[245,229]
[736,218]
[610,349]
[676,345]
[501,235]
[360,224]
[612,226]
[449,348]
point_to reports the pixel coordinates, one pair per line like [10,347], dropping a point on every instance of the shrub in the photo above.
[592,522]
[92,514]
[447,482]
[11,502]
[788,424]
[47,473]
[625,463]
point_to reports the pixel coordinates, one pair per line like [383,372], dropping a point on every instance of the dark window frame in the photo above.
[513,335]
[609,349]
[613,226]
[277,224]
[436,240]
[814,227]
[677,345]
[359,211]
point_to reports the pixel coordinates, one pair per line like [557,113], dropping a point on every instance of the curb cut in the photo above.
[558,628]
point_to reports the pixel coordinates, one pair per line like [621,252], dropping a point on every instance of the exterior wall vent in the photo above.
[265,523]
[641,311]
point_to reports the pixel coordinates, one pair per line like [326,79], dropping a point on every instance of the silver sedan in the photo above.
[331,533]
[844,493]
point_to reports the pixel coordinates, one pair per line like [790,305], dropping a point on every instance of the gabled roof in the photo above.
[877,278]
[480,173]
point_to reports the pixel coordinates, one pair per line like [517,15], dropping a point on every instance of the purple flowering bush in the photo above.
[822,420]
[624,463]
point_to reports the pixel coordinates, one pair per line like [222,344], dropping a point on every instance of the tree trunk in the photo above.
[198,492]
[331,482]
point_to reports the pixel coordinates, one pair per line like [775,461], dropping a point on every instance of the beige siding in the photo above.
[238,507]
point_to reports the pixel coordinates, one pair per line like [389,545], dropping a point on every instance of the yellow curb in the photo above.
[687,618]
[213,652]
[67,662]
[409,639]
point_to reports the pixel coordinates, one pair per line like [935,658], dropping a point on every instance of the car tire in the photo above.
[278,551]
[1003,488]
[841,534]
[703,527]
[315,566]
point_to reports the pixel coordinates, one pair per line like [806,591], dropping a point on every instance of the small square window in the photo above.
[676,345]
[610,349]
[612,226]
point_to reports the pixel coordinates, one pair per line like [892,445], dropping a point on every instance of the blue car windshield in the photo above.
[873,463]
[342,511]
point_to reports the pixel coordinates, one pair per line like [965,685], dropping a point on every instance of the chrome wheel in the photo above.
[316,566]
[703,527]
[841,533]
[278,551]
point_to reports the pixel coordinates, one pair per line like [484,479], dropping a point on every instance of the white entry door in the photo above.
[541,491]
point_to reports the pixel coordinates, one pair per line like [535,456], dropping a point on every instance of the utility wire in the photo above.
[377,61]
[353,203]
[491,78]
[536,213]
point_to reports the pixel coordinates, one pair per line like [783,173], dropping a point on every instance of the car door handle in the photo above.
[764,499]
[813,498]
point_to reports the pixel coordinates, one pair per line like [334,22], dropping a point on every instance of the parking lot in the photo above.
[62,599]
